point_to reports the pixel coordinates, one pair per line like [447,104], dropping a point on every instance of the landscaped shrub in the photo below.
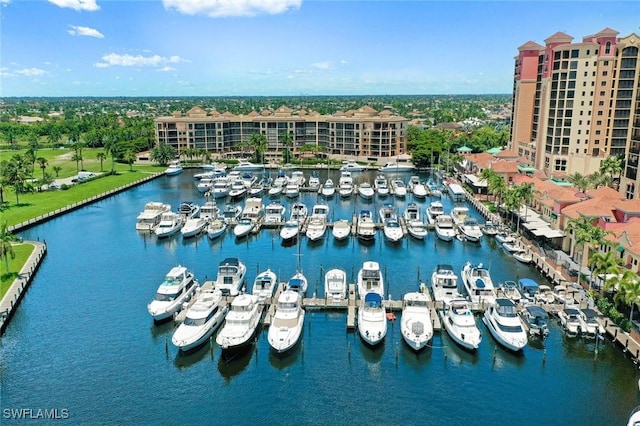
[64,186]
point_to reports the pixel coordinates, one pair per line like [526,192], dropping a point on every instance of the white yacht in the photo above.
[264,285]
[241,323]
[505,325]
[210,210]
[335,285]
[247,166]
[221,187]
[392,230]
[366,229]
[170,223]
[460,324]
[370,279]
[471,230]
[417,229]
[395,167]
[290,230]
[231,213]
[417,188]
[399,188]
[237,190]
[292,190]
[444,284]
[216,228]
[434,210]
[570,321]
[188,210]
[444,228]
[178,286]
[275,191]
[274,213]
[175,168]
[365,190]
[244,227]
[203,318]
[252,214]
[522,256]
[489,229]
[351,166]
[505,237]
[590,327]
[297,176]
[298,283]
[416,326]
[459,214]
[328,189]
[314,181]
[381,186]
[387,211]
[317,225]
[286,325]
[194,226]
[341,229]
[345,184]
[230,279]
[372,319]
[412,212]
[150,217]
[478,283]
[299,212]
[205,184]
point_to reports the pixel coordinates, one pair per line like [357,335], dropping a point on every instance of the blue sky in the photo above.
[280,47]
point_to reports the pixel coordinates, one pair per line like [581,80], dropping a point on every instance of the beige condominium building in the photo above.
[362,133]
[578,103]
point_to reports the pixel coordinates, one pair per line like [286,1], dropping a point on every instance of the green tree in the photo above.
[77,158]
[130,158]
[287,141]
[612,166]
[15,173]
[628,285]
[42,162]
[111,147]
[585,234]
[258,142]
[163,154]
[580,181]
[6,244]
[101,156]
[604,264]
[57,170]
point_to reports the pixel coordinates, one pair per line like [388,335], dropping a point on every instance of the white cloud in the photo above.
[166,69]
[221,8]
[88,5]
[30,72]
[84,31]
[5,2]
[114,59]
[344,62]
[325,65]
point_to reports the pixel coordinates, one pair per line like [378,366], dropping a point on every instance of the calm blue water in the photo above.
[82,338]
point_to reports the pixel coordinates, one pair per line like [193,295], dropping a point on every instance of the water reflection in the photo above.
[287,359]
[371,354]
[184,360]
[230,365]
[162,329]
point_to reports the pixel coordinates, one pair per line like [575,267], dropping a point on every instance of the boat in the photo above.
[297,176]
[366,229]
[286,325]
[202,319]
[244,227]
[279,183]
[175,168]
[237,190]
[345,185]
[434,210]
[317,225]
[444,228]
[511,247]
[299,212]
[188,210]
[328,189]
[417,188]
[417,229]
[387,211]
[370,279]
[412,212]
[150,217]
[341,229]
[170,223]
[396,167]
[459,214]
[209,210]
[381,186]
[434,189]
[416,327]
[298,282]
[252,214]
[504,237]
[505,325]
[248,179]
[264,285]
[352,166]
[522,256]
[444,284]
[216,228]
[194,226]
[314,181]
[509,290]
[471,230]
[478,283]
[392,230]
[231,213]
[208,174]
[221,187]
[544,295]
[241,323]
[274,213]
[570,321]
[489,229]
[634,416]
[290,230]
[205,184]
[460,324]
[372,319]
[564,296]
[590,327]
[399,188]
[335,285]
[275,191]
[292,190]
[256,189]
[247,166]
[230,278]
[365,191]
[177,288]
[536,319]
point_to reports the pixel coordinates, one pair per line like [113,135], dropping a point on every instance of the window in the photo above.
[560,165]
[604,73]
[607,48]
[603,83]
[606,64]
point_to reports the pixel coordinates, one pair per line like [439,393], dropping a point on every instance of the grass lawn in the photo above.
[22,251]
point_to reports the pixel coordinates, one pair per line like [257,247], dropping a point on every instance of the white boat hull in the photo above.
[512,341]
[187,340]
[283,339]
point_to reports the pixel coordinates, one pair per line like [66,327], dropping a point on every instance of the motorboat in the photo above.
[290,230]
[207,174]
[202,319]
[477,281]
[511,247]
[444,228]
[299,212]
[188,210]
[505,325]
[397,167]
[328,189]
[177,288]
[194,226]
[230,278]
[434,210]
[399,188]
[275,191]
[314,181]
[460,324]
[570,321]
[509,290]
[297,176]
[366,229]
[317,225]
[416,326]
[352,166]
[372,319]
[286,325]
[564,296]
[292,190]
[590,327]
[231,213]
[387,211]
[459,214]
[244,227]
[444,284]
[417,188]
[205,184]
[150,217]
[274,213]
[434,189]
[365,190]
[221,187]
[210,210]
[504,237]
[370,279]
[256,189]
[392,230]
[522,256]
[216,228]
[381,186]
[237,190]
[170,223]
[489,229]
[341,229]
[544,295]
[175,168]
[241,323]
[298,282]
[264,285]
[417,229]
[471,230]
[247,166]
[536,319]
[252,214]
[248,179]
[345,185]
[335,285]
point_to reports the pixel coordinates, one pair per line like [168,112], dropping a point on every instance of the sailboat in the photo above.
[298,282]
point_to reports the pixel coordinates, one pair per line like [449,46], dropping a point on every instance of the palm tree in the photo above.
[6,246]
[15,173]
[604,264]
[258,142]
[612,166]
[628,285]
[101,156]
[77,158]
[111,147]
[42,162]
[287,141]
[580,181]
[162,154]
[585,233]
[130,158]
[57,170]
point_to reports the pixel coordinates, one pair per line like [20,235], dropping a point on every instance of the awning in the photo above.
[547,233]
[620,249]
[476,181]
